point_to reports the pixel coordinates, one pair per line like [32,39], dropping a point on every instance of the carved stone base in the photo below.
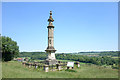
[51,62]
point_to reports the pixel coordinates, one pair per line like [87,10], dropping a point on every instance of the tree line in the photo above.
[10,50]
[102,60]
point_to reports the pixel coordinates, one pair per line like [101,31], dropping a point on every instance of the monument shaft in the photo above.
[50,49]
[50,37]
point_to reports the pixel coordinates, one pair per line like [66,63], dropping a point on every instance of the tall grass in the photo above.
[14,69]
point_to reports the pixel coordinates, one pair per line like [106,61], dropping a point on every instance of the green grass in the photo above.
[65,60]
[116,57]
[14,69]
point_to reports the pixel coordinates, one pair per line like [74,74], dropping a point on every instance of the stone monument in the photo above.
[51,60]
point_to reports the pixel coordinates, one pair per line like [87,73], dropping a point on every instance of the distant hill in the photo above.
[101,58]
[34,55]
[101,53]
[43,55]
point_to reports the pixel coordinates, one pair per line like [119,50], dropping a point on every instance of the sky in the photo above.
[79,26]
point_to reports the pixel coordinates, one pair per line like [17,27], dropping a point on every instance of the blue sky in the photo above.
[79,26]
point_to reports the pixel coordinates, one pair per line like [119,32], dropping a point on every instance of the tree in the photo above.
[0,47]
[9,49]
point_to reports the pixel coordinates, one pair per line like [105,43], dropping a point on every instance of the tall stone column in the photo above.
[50,49]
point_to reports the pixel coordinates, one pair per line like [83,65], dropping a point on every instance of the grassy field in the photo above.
[14,69]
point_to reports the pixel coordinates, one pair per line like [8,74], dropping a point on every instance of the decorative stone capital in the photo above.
[50,18]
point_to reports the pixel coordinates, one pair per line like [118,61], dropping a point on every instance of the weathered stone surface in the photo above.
[46,68]
[59,67]
[51,60]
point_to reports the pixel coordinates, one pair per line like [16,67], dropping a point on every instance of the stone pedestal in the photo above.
[46,68]
[24,63]
[29,65]
[59,67]
[78,64]
[36,66]
[51,56]
[50,61]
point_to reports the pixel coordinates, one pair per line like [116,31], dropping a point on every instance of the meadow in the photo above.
[14,69]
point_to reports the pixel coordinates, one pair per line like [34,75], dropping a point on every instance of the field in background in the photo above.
[14,69]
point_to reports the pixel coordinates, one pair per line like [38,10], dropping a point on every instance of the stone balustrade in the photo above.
[48,68]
